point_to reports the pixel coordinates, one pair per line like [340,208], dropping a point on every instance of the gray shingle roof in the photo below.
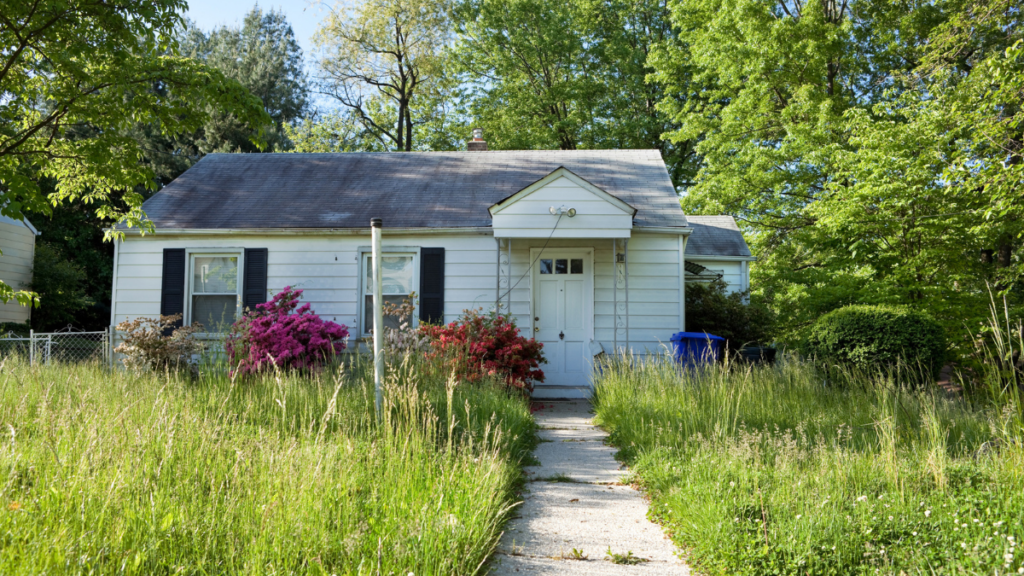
[407,190]
[715,236]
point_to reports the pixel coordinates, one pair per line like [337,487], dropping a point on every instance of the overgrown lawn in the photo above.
[777,471]
[105,473]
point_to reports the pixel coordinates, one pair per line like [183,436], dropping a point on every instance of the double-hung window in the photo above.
[399,279]
[214,290]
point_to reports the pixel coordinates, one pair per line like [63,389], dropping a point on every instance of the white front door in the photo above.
[563,319]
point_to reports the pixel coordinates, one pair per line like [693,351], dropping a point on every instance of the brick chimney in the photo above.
[477,144]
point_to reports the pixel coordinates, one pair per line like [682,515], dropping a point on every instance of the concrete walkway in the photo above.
[574,500]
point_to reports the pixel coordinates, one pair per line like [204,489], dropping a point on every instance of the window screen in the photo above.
[396,284]
[214,291]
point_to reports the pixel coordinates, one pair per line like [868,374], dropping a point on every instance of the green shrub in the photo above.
[16,328]
[873,337]
[710,309]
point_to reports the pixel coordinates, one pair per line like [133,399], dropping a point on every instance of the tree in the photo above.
[384,61]
[74,233]
[75,77]
[263,56]
[60,285]
[869,156]
[569,75]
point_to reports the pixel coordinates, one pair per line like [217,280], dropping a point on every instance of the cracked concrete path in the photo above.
[574,500]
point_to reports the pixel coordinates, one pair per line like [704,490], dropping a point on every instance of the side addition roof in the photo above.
[715,236]
[408,190]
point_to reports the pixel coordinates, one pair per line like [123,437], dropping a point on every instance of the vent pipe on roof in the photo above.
[477,144]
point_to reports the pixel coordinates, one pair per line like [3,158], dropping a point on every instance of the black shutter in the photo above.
[432,285]
[172,287]
[254,284]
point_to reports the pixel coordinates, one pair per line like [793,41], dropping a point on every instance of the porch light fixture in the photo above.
[570,212]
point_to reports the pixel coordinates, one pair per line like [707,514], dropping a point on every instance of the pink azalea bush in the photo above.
[282,333]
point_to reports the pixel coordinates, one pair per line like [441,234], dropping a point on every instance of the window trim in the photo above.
[365,252]
[190,254]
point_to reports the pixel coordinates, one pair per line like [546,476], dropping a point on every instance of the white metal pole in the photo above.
[31,347]
[378,312]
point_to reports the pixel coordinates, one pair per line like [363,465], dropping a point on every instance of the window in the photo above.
[214,291]
[399,278]
[561,266]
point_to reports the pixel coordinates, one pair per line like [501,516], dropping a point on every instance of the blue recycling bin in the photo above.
[696,348]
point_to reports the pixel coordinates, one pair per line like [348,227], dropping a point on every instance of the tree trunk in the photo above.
[986,256]
[1005,254]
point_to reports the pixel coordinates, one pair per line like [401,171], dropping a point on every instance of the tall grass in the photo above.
[106,473]
[778,470]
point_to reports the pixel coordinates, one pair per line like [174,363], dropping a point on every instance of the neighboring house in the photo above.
[461,229]
[18,244]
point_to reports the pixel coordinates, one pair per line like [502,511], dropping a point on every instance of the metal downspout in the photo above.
[615,295]
[497,277]
[626,262]
[508,309]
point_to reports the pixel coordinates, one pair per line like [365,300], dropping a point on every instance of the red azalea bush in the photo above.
[480,345]
[277,333]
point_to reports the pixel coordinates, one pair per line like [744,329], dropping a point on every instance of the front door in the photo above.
[563,319]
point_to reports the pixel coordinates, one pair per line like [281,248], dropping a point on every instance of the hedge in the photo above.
[873,337]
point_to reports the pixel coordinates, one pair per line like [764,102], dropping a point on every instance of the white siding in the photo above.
[326,267]
[18,245]
[734,273]
[530,216]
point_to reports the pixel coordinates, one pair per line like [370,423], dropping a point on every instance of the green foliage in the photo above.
[863,145]
[547,74]
[74,230]
[263,56]
[386,62]
[16,328]
[879,337]
[765,471]
[158,473]
[76,78]
[60,284]
[709,308]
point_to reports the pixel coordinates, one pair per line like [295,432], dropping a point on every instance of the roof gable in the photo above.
[561,172]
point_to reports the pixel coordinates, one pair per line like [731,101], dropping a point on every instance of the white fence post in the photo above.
[49,343]
[31,347]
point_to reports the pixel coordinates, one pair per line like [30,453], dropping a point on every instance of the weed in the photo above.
[626,559]
[574,554]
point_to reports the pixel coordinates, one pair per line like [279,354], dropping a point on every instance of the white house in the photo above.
[18,245]
[589,250]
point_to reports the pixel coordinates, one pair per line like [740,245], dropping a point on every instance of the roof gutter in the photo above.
[680,230]
[484,230]
[468,230]
[716,258]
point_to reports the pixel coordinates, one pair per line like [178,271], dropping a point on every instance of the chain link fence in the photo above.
[63,347]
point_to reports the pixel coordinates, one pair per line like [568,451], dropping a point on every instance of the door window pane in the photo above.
[576,266]
[545,266]
[561,266]
[215,275]
[215,313]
